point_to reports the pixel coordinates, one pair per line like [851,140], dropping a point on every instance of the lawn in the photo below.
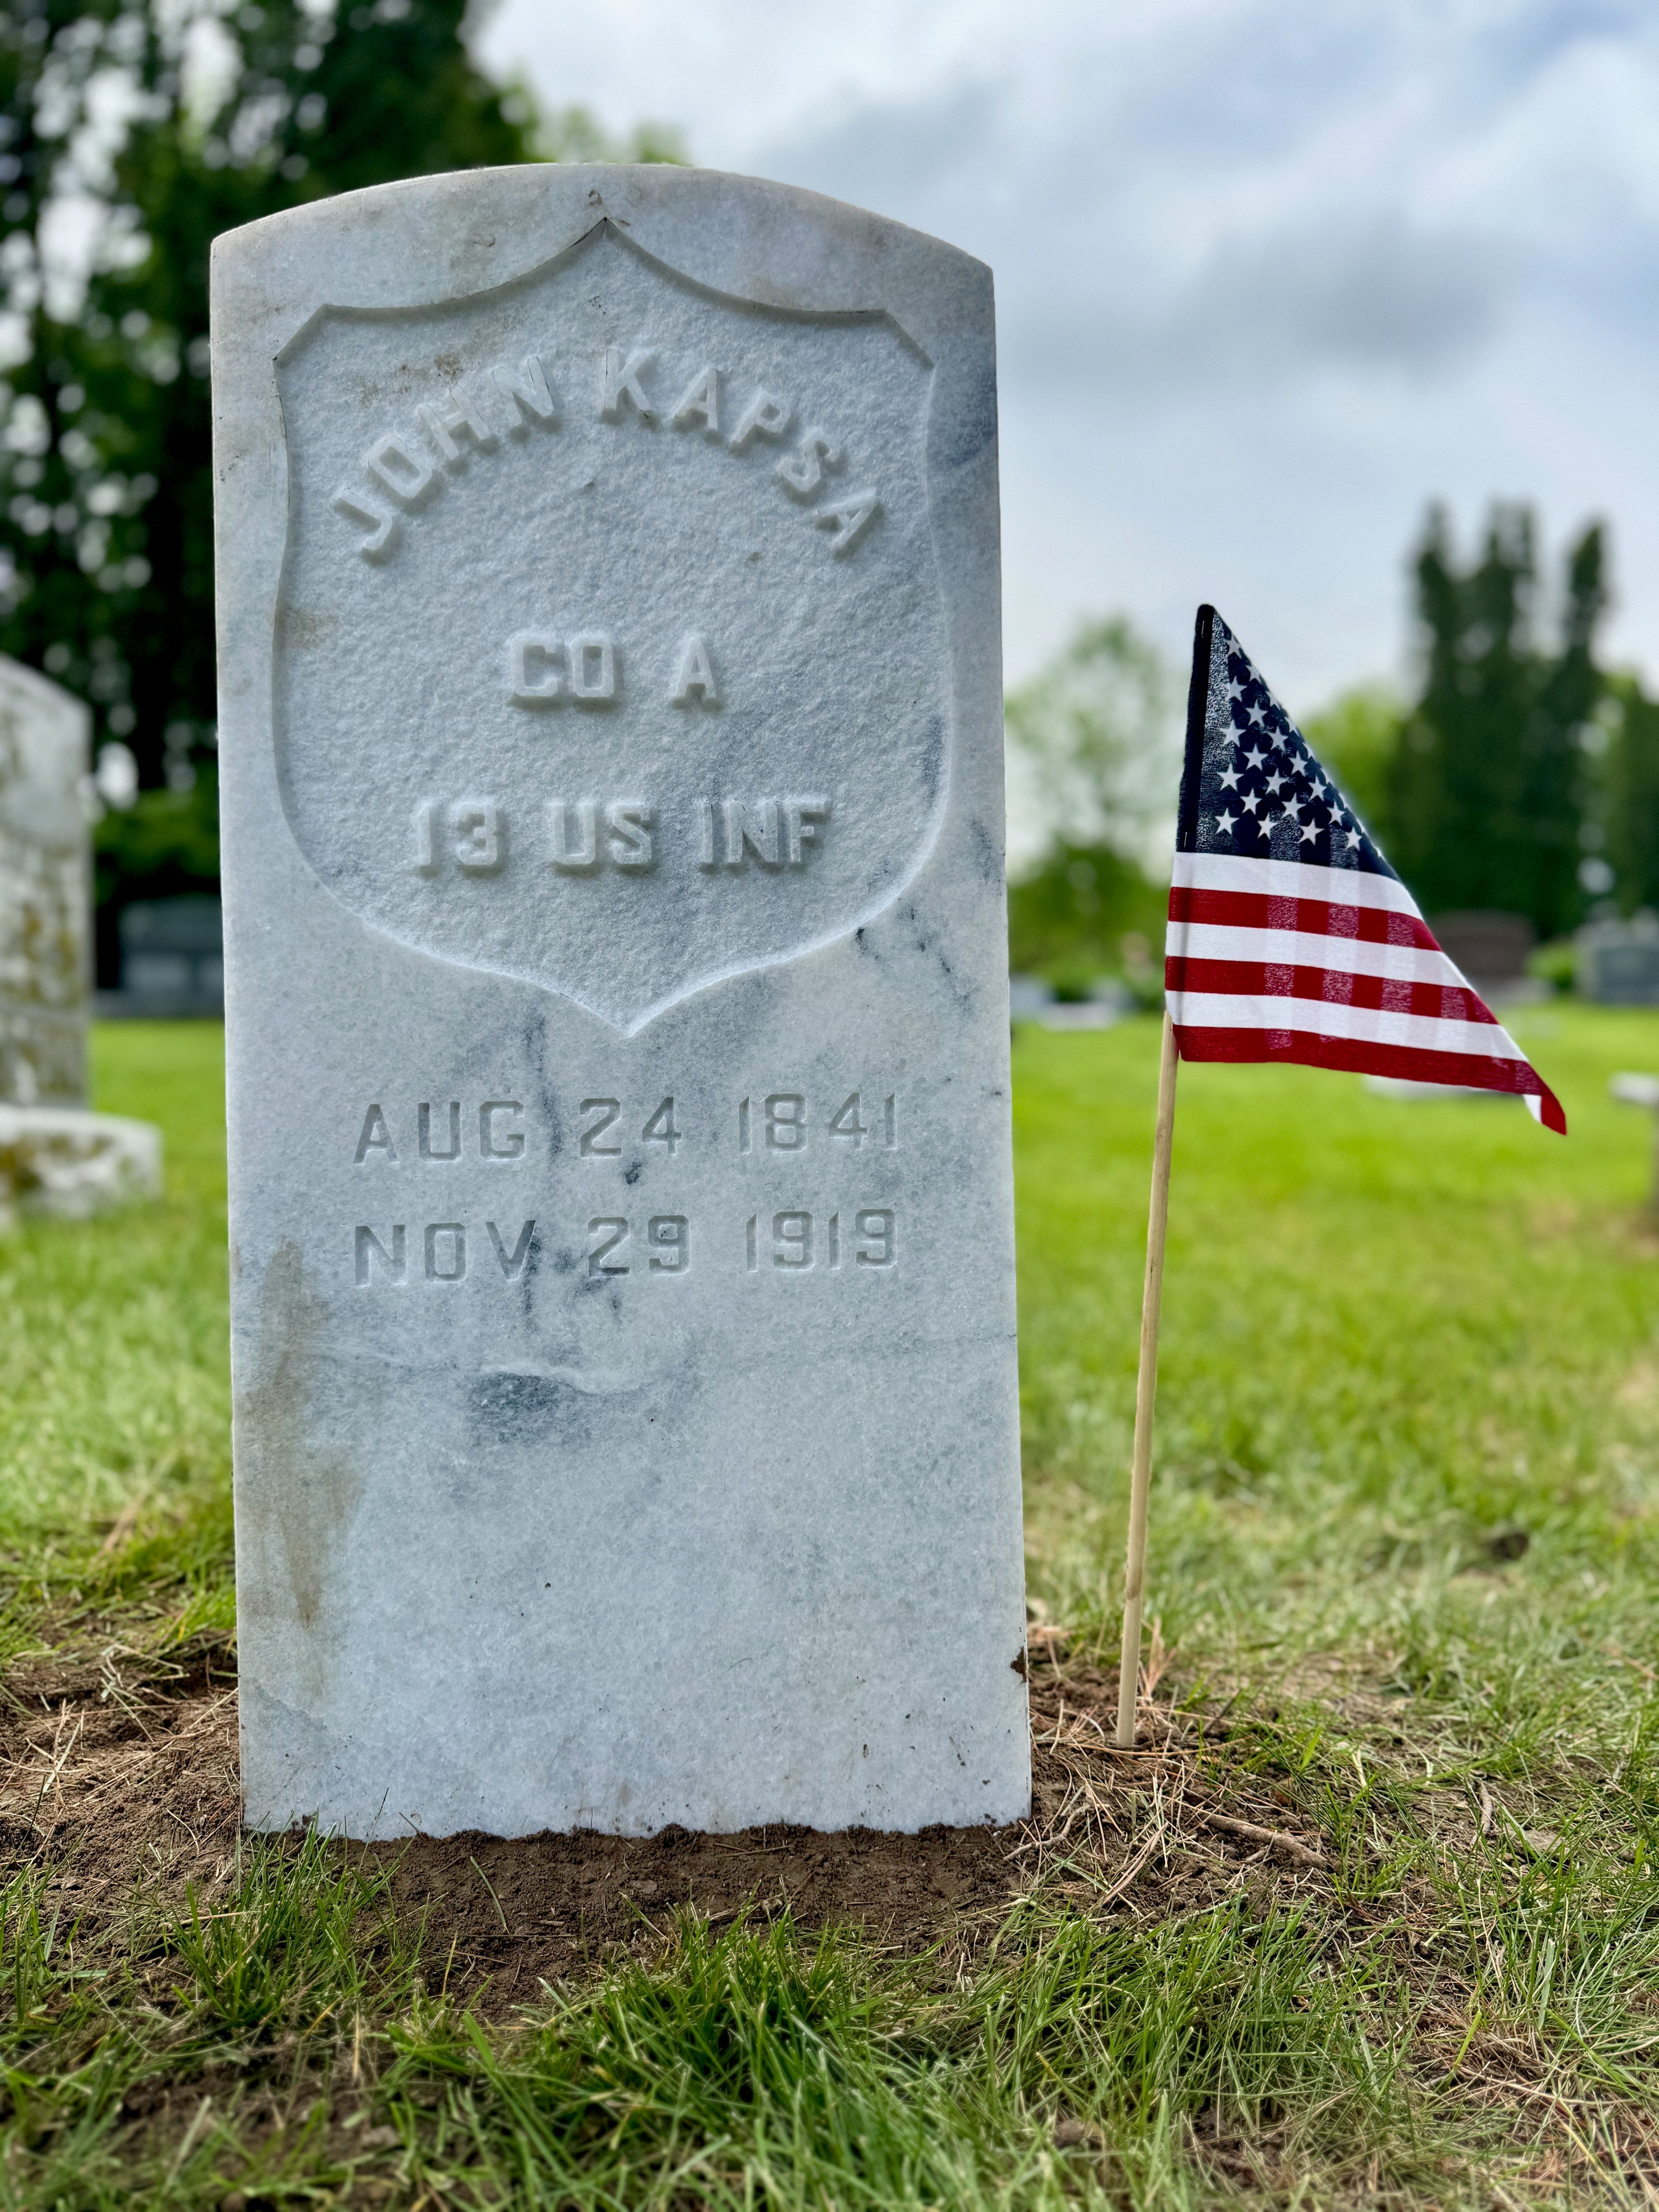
[1369,1917]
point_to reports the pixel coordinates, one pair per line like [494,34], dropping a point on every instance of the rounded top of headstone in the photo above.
[45,737]
[779,244]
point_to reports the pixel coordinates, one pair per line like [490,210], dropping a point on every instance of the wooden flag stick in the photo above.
[1140,1480]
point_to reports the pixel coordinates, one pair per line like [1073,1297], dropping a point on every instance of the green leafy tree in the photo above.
[1093,730]
[1487,796]
[1093,743]
[1357,737]
[1068,919]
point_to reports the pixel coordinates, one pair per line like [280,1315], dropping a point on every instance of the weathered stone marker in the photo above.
[45,890]
[621,1209]
[55,1157]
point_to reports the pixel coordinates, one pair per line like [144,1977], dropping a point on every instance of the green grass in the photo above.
[1399,1341]
[1392,1333]
[114,1377]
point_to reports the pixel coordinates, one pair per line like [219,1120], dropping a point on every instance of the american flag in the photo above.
[1290,938]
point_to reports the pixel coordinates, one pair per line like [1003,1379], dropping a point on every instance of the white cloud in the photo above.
[1272,274]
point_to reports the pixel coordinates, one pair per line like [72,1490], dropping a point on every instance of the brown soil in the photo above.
[125,1772]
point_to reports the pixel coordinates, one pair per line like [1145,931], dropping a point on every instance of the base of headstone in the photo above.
[64,1162]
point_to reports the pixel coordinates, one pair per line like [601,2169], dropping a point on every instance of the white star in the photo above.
[1354,839]
[1235,689]
[1229,778]
[1308,833]
[1254,758]
[1274,784]
[1225,821]
[1251,800]
[1255,720]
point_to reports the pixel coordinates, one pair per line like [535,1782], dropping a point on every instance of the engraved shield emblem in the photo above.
[638,581]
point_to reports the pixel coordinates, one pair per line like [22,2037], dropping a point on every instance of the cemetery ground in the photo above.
[1369,1916]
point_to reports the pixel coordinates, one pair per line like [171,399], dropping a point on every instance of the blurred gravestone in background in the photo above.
[44,891]
[1619,961]
[173,960]
[55,1158]
[1492,949]
[132,133]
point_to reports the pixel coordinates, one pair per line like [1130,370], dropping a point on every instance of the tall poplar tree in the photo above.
[1633,793]
[1487,789]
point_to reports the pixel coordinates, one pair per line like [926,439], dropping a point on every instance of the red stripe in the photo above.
[1365,924]
[1260,979]
[1357,1056]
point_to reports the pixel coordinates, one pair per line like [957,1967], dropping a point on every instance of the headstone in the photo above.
[1029,998]
[45,890]
[56,1158]
[1491,948]
[620,1211]
[172,961]
[1618,962]
[64,1162]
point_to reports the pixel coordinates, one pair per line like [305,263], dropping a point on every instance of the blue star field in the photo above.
[1252,786]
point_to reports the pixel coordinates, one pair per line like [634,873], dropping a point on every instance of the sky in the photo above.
[1272,275]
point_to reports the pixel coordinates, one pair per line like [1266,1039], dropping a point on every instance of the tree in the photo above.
[1487,796]
[1630,720]
[1067,918]
[1092,741]
[1092,730]
[1356,738]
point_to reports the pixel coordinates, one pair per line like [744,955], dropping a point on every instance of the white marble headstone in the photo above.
[45,890]
[620,1211]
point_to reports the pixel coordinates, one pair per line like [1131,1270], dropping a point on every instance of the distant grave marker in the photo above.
[55,1157]
[1619,961]
[1491,948]
[45,890]
[621,1208]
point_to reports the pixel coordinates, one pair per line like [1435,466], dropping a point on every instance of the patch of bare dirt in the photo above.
[126,1773]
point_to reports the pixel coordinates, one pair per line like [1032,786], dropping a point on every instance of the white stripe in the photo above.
[1216,1009]
[1303,948]
[1232,871]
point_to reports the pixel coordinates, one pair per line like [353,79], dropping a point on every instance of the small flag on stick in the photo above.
[1290,939]
[1291,936]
